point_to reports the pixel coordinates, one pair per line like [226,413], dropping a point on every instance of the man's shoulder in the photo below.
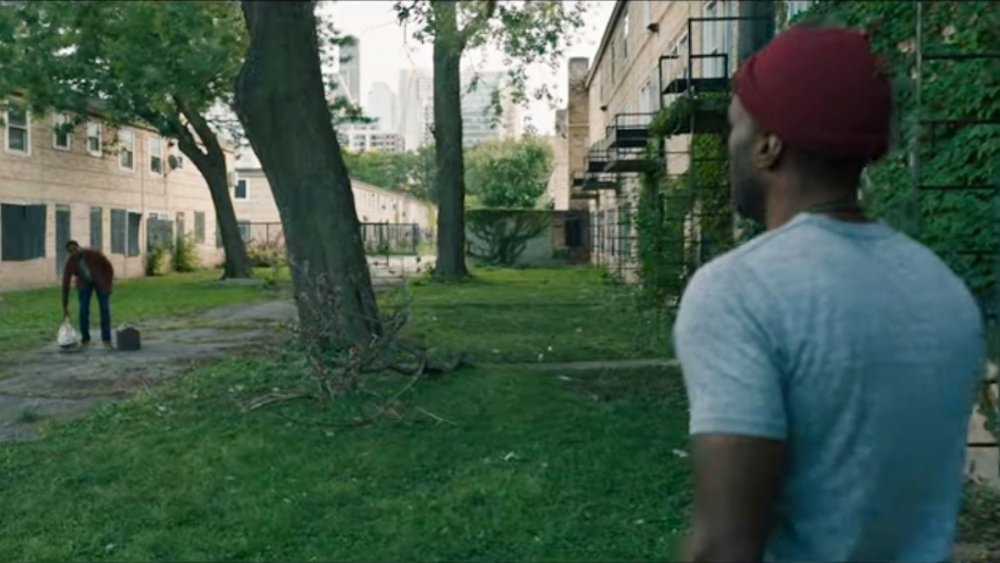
[93,254]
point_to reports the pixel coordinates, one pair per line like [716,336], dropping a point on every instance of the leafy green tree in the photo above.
[526,32]
[410,173]
[510,173]
[162,63]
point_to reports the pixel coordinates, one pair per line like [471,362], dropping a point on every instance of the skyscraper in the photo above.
[480,97]
[350,71]
[382,106]
[416,103]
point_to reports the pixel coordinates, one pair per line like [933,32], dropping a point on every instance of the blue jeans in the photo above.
[103,303]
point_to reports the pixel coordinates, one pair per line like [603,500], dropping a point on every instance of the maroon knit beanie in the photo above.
[820,89]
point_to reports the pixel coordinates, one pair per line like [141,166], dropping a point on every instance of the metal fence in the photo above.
[614,241]
[379,239]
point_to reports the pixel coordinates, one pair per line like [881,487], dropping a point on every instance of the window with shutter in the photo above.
[118,226]
[22,232]
[134,224]
[97,228]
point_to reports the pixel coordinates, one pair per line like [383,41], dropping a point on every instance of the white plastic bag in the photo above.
[67,337]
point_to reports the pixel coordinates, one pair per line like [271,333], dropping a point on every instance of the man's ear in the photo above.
[768,150]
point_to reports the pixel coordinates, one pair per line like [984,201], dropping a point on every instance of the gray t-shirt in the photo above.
[859,349]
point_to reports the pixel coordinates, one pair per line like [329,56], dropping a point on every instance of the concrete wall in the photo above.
[373,204]
[557,189]
[548,248]
[78,180]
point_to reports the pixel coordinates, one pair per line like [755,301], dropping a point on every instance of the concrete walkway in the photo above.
[50,383]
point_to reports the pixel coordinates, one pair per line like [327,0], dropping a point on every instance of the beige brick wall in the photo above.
[613,92]
[373,204]
[78,180]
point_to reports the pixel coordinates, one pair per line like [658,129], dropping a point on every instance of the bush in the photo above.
[185,255]
[500,236]
[266,254]
[156,258]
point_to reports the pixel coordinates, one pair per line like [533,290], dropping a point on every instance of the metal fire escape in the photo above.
[938,129]
[688,85]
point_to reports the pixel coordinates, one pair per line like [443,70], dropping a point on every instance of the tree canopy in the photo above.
[164,64]
[509,173]
[526,33]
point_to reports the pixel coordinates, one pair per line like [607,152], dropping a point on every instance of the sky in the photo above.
[385,49]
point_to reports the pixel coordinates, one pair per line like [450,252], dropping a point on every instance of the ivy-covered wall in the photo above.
[684,219]
[960,225]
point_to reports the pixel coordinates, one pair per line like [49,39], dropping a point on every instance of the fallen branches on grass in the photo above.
[339,369]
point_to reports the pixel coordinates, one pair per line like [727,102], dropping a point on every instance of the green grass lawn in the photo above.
[490,463]
[31,318]
[531,315]
[529,465]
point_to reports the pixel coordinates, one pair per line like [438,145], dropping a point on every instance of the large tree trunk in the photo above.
[213,168]
[450,178]
[754,33]
[281,102]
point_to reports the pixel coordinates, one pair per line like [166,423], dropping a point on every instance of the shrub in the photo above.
[185,255]
[266,254]
[156,258]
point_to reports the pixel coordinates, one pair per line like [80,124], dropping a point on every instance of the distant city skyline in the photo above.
[375,26]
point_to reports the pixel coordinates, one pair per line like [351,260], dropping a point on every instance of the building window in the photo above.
[22,232]
[97,228]
[18,134]
[199,227]
[155,155]
[95,146]
[625,33]
[647,13]
[241,191]
[134,224]
[126,154]
[62,132]
[118,221]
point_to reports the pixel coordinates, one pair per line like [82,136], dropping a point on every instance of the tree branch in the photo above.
[477,24]
[200,124]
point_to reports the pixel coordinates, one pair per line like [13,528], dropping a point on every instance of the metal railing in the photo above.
[379,239]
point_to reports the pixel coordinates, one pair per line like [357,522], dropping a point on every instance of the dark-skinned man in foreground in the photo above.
[831,362]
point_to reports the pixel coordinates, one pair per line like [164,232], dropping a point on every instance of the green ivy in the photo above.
[953,224]
[683,220]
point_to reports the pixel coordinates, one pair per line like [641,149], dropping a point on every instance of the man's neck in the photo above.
[837,202]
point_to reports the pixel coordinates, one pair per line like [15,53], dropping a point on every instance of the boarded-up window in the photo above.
[118,221]
[199,227]
[97,228]
[22,230]
[134,223]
